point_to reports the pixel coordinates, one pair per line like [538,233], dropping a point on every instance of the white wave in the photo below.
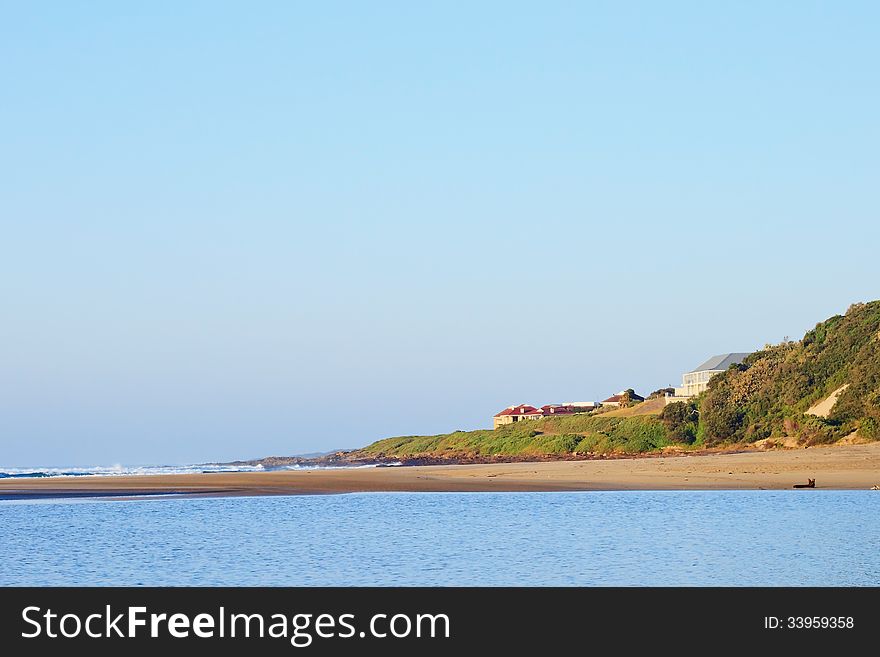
[119,470]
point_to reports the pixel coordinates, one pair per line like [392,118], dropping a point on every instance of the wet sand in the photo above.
[840,467]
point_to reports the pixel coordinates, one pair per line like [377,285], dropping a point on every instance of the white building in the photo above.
[696,381]
[583,406]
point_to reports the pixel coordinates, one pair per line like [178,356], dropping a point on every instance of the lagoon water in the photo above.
[724,538]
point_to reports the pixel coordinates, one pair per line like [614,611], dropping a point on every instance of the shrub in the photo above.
[681,420]
[869,428]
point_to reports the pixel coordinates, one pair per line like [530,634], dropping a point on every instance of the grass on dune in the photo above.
[577,434]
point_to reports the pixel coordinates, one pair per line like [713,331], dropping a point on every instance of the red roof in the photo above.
[522,409]
[555,409]
[525,409]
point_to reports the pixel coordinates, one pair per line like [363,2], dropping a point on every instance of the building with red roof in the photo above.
[556,409]
[513,414]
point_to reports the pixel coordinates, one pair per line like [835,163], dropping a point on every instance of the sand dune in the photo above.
[851,466]
[823,408]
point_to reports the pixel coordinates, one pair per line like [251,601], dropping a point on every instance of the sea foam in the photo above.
[122,470]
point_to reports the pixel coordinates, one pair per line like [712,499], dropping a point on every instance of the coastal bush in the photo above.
[595,443]
[870,429]
[681,420]
[574,434]
[721,419]
[553,444]
[816,431]
[770,392]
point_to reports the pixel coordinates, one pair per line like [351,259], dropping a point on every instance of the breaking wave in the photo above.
[122,470]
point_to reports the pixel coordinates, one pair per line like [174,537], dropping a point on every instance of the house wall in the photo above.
[692,384]
[510,419]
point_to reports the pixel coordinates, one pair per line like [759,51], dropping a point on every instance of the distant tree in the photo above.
[661,392]
[628,397]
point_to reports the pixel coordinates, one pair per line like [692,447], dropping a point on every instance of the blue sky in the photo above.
[231,230]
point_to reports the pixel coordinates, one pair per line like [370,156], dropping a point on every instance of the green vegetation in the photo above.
[681,421]
[575,434]
[767,396]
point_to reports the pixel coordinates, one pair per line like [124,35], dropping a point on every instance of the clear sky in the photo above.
[236,229]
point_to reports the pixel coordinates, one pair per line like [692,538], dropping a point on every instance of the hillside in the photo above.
[557,437]
[770,394]
[647,407]
[785,391]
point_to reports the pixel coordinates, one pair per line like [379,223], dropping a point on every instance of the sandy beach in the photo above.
[841,467]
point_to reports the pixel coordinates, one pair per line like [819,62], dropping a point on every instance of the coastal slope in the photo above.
[820,390]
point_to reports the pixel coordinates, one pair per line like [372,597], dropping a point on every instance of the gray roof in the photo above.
[722,362]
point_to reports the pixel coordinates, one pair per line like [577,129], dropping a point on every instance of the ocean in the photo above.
[123,470]
[693,538]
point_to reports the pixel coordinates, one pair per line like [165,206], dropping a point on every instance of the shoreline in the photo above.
[848,467]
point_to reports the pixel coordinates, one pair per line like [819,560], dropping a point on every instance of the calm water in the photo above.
[733,538]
